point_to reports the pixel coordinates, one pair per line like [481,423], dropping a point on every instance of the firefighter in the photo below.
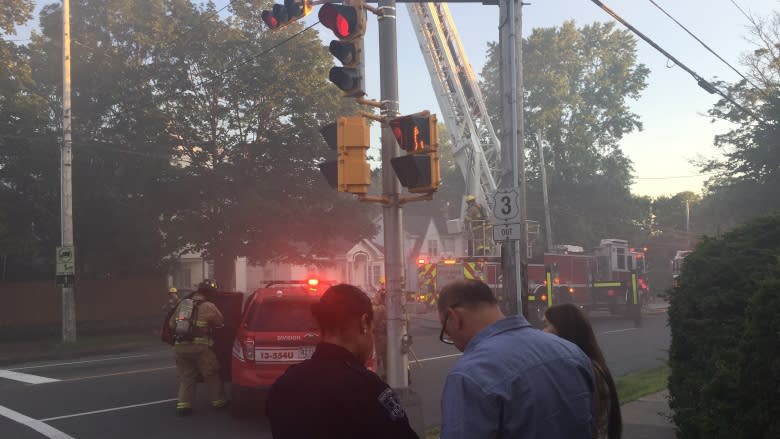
[173,300]
[194,354]
[380,332]
[476,225]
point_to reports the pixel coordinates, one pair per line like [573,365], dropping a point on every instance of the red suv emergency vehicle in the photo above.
[276,331]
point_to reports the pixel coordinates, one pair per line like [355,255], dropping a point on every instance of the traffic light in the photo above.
[349,136]
[281,15]
[348,23]
[417,134]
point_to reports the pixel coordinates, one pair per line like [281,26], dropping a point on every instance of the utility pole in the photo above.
[687,224]
[398,341]
[66,183]
[547,227]
[513,253]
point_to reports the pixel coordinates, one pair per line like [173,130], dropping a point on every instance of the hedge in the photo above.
[725,323]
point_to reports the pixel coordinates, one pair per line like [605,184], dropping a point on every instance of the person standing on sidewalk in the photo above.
[512,381]
[333,395]
[193,348]
[567,321]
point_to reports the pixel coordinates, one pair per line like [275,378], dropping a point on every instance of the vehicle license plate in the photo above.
[283,355]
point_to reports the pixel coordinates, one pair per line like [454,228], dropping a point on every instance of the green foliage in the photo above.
[577,83]
[747,176]
[713,330]
[191,131]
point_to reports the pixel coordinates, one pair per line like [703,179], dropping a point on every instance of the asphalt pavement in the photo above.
[132,394]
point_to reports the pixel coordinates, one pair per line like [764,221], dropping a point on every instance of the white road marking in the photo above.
[75,415]
[618,330]
[42,428]
[126,372]
[25,377]
[40,366]
[438,358]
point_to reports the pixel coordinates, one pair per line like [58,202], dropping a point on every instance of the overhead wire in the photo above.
[703,83]
[742,11]
[704,45]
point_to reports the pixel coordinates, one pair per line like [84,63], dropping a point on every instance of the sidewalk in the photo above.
[648,418]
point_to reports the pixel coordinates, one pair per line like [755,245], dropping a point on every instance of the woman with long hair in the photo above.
[567,321]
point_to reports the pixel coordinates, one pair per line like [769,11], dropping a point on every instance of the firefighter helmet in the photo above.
[173,290]
[470,198]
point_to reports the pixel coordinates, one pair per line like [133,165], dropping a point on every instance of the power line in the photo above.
[741,10]
[676,176]
[704,44]
[703,83]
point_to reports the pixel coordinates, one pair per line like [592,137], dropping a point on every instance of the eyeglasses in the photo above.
[443,337]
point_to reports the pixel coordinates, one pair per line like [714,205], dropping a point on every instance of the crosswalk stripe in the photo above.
[26,377]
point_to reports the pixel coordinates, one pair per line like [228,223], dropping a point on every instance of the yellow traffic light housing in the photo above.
[350,137]
[417,134]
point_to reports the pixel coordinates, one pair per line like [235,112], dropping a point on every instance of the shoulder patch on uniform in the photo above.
[390,402]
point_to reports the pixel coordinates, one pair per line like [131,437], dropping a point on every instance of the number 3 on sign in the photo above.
[506,205]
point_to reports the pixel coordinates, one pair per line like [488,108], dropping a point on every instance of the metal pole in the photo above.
[522,247]
[397,362]
[66,200]
[398,341]
[548,228]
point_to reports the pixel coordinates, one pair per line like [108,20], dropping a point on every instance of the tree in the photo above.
[748,172]
[576,86]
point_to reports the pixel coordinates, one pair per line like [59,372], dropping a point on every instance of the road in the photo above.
[132,395]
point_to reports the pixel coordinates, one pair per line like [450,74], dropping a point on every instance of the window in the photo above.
[286,315]
[433,247]
[630,262]
[377,273]
[621,258]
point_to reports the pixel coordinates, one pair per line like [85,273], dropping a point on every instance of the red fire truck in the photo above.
[611,277]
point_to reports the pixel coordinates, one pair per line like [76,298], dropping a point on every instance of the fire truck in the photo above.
[677,264]
[432,276]
[611,277]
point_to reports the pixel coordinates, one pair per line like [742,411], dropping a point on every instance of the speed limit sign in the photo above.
[506,205]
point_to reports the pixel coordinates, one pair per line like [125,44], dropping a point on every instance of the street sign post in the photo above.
[506,206]
[66,265]
[507,232]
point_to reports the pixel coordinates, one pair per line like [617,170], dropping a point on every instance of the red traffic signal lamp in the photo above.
[281,15]
[417,134]
[348,23]
[349,136]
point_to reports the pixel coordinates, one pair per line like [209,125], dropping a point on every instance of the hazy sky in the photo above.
[672,107]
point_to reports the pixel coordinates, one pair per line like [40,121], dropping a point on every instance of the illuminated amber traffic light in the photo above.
[349,136]
[417,134]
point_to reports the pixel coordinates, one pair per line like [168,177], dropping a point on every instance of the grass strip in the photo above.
[635,385]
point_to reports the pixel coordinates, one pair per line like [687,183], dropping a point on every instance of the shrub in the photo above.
[712,326]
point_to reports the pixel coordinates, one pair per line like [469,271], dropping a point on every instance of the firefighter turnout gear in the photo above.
[380,333]
[194,356]
[478,228]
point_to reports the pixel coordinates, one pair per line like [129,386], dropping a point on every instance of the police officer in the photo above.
[333,395]
[194,355]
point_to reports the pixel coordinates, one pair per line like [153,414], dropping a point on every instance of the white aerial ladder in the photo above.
[477,149]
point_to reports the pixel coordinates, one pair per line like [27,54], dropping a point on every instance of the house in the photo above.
[361,264]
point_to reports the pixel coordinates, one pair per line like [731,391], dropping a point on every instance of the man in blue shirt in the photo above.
[513,381]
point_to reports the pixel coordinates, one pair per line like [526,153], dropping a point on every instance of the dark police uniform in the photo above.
[334,396]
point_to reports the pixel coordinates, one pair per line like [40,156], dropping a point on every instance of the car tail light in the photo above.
[248,345]
[544,297]
[238,351]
